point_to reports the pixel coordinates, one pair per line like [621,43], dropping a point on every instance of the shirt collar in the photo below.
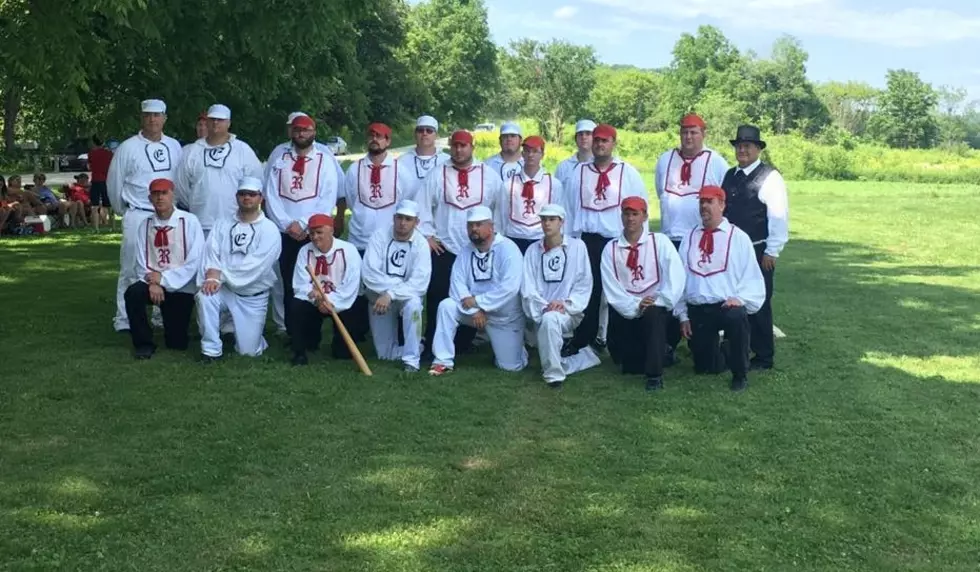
[388,161]
[256,221]
[748,170]
[564,242]
[644,238]
[537,178]
[724,227]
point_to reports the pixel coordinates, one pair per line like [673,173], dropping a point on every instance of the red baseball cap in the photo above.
[692,120]
[634,203]
[380,129]
[535,142]
[318,220]
[464,137]
[711,192]
[604,131]
[304,121]
[161,185]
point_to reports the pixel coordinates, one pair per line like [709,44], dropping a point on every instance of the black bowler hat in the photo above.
[748,134]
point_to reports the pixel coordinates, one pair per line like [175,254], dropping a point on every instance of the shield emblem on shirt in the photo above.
[158,155]
[241,238]
[397,258]
[215,157]
[481,266]
[553,265]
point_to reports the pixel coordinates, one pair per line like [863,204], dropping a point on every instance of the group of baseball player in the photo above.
[499,251]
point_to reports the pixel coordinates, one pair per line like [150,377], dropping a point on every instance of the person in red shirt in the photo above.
[78,194]
[98,162]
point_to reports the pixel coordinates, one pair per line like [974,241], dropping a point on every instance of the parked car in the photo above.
[485,127]
[73,156]
[337,145]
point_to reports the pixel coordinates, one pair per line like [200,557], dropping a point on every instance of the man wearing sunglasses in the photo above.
[425,157]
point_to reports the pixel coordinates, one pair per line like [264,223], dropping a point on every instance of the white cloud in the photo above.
[565,12]
[908,27]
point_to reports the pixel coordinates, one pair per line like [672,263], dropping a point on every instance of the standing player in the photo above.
[583,153]
[138,160]
[424,157]
[528,192]
[508,162]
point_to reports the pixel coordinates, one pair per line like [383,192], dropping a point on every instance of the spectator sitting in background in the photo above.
[52,203]
[5,209]
[24,204]
[78,200]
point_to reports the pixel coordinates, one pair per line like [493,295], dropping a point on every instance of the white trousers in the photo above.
[550,335]
[127,264]
[506,337]
[247,314]
[278,304]
[384,330]
[603,319]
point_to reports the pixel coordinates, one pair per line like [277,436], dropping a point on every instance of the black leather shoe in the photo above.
[143,353]
[300,359]
[599,346]
[206,360]
[655,383]
[739,383]
[670,357]
[757,364]
[567,349]
[555,384]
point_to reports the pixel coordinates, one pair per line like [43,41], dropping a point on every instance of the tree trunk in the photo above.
[11,109]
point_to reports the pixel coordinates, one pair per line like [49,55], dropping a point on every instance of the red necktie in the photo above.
[707,242]
[299,166]
[376,174]
[686,170]
[161,238]
[603,183]
[527,193]
[633,258]
[463,178]
[322,266]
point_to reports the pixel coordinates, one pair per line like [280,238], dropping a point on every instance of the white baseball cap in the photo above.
[407,208]
[294,115]
[218,111]
[250,184]
[427,121]
[153,106]
[584,125]
[510,128]
[479,214]
[553,210]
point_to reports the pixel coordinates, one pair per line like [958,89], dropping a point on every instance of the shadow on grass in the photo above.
[843,458]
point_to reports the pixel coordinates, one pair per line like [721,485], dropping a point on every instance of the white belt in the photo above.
[758,242]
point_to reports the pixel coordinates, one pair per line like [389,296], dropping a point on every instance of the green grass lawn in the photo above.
[861,451]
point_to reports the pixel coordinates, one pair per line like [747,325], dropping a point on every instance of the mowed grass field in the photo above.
[860,451]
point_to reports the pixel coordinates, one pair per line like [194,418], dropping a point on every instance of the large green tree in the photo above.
[448,48]
[552,81]
[905,116]
[627,97]
[850,104]
[786,100]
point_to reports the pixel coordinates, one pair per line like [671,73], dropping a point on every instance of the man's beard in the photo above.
[376,152]
[477,240]
[302,143]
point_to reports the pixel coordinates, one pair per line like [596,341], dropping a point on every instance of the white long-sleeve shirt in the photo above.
[505,170]
[136,162]
[773,195]
[208,177]
[561,273]
[565,169]
[419,167]
[444,206]
[244,253]
[290,197]
[590,211]
[339,273]
[372,208]
[659,274]
[177,257]
[520,217]
[493,277]
[679,205]
[401,269]
[731,271]
[283,147]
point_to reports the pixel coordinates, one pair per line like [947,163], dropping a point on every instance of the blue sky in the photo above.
[846,39]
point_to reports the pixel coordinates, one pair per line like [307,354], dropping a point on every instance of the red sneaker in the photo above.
[438,369]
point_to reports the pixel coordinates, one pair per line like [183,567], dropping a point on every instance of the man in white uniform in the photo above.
[450,192]
[138,160]
[303,181]
[592,200]
[211,168]
[278,297]
[583,154]
[485,294]
[680,174]
[237,275]
[337,267]
[424,157]
[169,249]
[508,162]
[527,192]
[396,271]
[643,279]
[724,286]
[554,293]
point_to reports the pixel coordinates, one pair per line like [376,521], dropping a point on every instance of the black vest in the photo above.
[743,207]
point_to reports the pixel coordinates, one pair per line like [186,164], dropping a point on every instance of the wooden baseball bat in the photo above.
[356,353]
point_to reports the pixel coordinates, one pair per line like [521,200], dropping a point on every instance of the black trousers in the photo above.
[307,323]
[673,324]
[356,317]
[706,320]
[586,331]
[763,343]
[523,243]
[287,263]
[176,310]
[638,344]
[442,270]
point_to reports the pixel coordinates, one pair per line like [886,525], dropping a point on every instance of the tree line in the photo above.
[81,67]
